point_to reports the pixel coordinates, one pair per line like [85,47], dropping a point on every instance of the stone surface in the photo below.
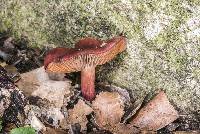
[12,100]
[36,123]
[30,81]
[38,83]
[53,91]
[163,39]
[44,111]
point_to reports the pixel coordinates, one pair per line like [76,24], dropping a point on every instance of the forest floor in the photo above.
[17,58]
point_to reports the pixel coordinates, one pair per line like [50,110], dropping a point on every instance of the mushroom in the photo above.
[87,54]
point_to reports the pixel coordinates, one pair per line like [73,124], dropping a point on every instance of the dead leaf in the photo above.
[108,108]
[156,114]
[9,126]
[132,109]
[186,132]
[54,131]
[45,111]
[36,123]
[113,88]
[124,129]
[78,114]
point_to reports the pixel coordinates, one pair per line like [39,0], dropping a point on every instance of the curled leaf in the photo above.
[108,108]
[156,114]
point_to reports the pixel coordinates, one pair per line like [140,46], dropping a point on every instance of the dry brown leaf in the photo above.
[148,132]
[128,129]
[108,108]
[187,132]
[78,114]
[156,114]
[123,129]
[54,131]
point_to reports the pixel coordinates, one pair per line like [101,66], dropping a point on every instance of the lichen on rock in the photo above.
[12,100]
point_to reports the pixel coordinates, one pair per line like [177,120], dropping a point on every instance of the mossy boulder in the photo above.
[163,50]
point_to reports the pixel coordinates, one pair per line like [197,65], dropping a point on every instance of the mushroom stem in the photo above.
[87,83]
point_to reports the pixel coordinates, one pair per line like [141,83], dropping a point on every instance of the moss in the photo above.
[62,23]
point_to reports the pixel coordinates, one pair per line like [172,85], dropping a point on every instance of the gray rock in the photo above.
[44,110]
[12,100]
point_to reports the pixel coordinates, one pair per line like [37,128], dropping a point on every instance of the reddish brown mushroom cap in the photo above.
[87,52]
[88,43]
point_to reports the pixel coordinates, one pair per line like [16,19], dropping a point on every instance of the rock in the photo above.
[4,55]
[46,97]
[5,100]
[45,111]
[37,83]
[108,108]
[163,40]
[55,116]
[12,100]
[53,91]
[8,43]
[164,53]
[30,81]
[36,123]
[78,114]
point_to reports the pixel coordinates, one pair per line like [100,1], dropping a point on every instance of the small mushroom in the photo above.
[87,54]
